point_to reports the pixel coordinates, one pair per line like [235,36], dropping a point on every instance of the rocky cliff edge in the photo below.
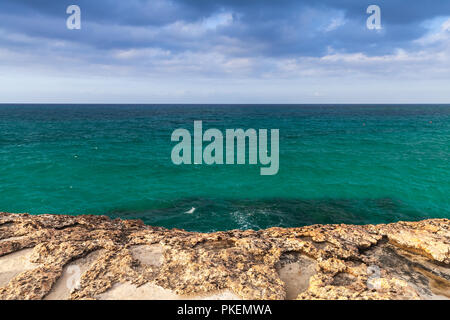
[94,257]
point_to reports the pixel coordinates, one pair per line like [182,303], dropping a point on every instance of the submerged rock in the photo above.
[94,257]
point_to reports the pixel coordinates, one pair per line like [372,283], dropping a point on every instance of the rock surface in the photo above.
[94,257]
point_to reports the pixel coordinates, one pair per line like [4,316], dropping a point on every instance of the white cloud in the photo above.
[335,24]
[218,20]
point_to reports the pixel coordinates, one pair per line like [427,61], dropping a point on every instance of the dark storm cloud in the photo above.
[260,27]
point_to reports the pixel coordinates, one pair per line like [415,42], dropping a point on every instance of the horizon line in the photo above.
[223,104]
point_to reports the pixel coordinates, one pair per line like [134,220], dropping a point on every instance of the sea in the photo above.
[354,164]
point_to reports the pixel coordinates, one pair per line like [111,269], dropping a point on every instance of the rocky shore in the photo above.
[94,257]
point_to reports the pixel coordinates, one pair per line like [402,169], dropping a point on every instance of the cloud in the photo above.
[229,40]
[273,28]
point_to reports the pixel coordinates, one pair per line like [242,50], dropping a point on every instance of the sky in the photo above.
[224,51]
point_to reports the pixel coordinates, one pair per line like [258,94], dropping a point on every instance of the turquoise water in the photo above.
[338,164]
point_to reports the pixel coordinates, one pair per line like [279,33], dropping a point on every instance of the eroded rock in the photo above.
[117,259]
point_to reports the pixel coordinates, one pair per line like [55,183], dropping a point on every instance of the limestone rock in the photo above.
[93,257]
